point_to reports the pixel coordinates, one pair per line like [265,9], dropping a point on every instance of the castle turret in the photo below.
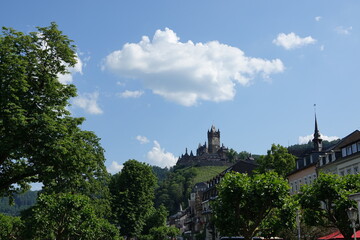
[213,140]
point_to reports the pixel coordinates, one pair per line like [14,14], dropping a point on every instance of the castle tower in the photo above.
[317,140]
[213,140]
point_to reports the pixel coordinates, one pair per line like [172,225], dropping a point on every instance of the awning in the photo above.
[338,235]
[334,235]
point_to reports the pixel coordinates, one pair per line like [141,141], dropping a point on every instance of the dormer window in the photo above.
[354,148]
[348,150]
[343,152]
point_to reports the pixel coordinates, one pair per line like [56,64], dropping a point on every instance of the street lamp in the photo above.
[352,215]
[356,197]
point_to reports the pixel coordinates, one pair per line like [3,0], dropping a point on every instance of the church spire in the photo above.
[317,138]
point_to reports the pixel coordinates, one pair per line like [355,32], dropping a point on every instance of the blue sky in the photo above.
[153,76]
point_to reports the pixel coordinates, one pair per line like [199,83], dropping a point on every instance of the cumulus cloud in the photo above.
[88,102]
[142,139]
[115,167]
[159,157]
[306,139]
[187,72]
[343,30]
[68,78]
[131,94]
[318,18]
[291,41]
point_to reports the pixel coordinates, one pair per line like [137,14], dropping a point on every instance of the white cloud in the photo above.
[306,139]
[115,167]
[159,157]
[291,41]
[343,30]
[318,18]
[68,78]
[142,139]
[187,72]
[131,94]
[88,102]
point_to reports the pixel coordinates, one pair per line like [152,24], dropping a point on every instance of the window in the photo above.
[310,179]
[323,160]
[358,146]
[296,186]
[330,157]
[343,151]
[356,169]
[342,173]
[305,180]
[354,149]
[348,150]
[348,171]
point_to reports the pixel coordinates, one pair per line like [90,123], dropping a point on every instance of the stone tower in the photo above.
[317,140]
[213,140]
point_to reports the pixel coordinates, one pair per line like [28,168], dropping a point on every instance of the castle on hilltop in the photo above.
[211,154]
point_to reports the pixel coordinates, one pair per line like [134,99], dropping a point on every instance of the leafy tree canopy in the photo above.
[66,216]
[278,159]
[324,203]
[247,205]
[132,192]
[9,227]
[39,140]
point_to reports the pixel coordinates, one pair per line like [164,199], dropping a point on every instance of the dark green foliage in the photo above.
[234,156]
[247,205]
[155,227]
[160,173]
[156,218]
[66,216]
[278,159]
[132,192]
[175,189]
[21,202]
[324,203]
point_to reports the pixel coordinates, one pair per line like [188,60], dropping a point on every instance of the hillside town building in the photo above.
[342,158]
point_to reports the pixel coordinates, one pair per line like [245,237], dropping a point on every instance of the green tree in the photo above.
[324,203]
[247,205]
[164,232]
[39,140]
[9,227]
[232,155]
[278,159]
[156,218]
[132,192]
[66,216]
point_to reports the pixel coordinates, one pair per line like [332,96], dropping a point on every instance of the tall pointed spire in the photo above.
[317,137]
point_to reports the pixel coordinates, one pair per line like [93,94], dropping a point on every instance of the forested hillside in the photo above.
[176,188]
[21,202]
